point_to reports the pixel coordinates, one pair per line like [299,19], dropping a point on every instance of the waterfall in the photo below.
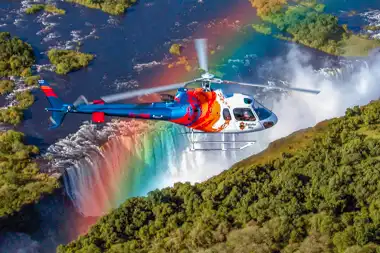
[102,166]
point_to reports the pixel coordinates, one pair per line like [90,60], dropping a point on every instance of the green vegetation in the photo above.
[35,8]
[14,114]
[11,115]
[32,80]
[114,7]
[316,190]
[46,7]
[311,4]
[20,180]
[53,9]
[6,86]
[25,99]
[305,23]
[68,60]
[372,28]
[357,45]
[175,49]
[16,56]
[262,28]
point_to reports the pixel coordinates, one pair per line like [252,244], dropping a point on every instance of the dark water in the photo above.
[345,9]
[142,35]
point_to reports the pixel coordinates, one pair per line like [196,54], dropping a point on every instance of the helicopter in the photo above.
[201,110]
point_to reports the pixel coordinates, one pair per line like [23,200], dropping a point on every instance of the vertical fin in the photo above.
[57,116]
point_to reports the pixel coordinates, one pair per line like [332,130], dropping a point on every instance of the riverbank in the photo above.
[305,22]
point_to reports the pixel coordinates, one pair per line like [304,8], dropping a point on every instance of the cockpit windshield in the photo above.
[244,114]
[261,111]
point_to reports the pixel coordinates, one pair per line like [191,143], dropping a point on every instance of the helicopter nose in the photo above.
[270,121]
[274,118]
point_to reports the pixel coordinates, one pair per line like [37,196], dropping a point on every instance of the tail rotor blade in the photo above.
[201,47]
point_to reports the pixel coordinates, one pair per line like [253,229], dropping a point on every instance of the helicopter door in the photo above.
[245,118]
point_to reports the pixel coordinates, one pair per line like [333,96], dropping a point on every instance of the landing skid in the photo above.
[221,143]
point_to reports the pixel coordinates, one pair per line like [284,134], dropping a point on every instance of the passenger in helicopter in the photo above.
[247,116]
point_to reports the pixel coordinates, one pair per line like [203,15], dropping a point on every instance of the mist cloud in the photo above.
[356,83]
[295,111]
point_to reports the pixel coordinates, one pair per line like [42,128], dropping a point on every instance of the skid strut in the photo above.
[222,142]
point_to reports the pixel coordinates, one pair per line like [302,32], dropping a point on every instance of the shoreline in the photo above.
[342,42]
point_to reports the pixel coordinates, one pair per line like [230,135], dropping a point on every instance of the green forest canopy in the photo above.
[16,56]
[316,190]
[46,7]
[114,7]
[20,180]
[66,61]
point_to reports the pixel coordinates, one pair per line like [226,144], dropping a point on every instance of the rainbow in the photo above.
[129,170]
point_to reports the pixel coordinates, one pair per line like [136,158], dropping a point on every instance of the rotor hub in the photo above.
[207,76]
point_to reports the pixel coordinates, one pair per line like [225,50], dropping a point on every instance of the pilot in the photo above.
[247,117]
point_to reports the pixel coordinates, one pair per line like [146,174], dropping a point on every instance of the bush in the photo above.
[175,49]
[68,60]
[20,180]
[46,7]
[6,86]
[114,7]
[16,56]
[25,99]
[34,8]
[32,80]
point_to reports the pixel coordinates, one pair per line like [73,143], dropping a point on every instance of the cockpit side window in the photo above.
[244,114]
[226,114]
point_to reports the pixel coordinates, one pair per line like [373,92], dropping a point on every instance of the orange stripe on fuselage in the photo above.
[210,111]
[48,91]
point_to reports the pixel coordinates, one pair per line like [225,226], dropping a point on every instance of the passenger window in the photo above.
[226,114]
[244,114]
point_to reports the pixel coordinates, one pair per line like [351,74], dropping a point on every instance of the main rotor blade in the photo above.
[201,47]
[274,87]
[137,93]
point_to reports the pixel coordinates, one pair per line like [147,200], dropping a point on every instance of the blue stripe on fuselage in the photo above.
[163,111]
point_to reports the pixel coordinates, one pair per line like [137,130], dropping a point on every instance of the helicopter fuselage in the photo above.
[206,111]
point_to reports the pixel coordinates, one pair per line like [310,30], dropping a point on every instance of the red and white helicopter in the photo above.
[202,110]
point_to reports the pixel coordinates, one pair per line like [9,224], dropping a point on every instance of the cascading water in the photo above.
[103,166]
